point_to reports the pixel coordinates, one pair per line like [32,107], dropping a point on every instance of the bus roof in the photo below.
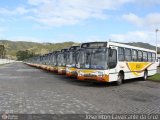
[74,48]
[128,46]
[64,50]
[94,44]
[55,52]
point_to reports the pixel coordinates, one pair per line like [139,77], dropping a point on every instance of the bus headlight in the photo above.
[98,73]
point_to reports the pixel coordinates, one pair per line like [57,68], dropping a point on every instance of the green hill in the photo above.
[143,45]
[12,47]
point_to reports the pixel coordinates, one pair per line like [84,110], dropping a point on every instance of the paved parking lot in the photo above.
[25,89]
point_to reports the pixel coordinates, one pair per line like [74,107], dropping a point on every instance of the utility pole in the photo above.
[156,42]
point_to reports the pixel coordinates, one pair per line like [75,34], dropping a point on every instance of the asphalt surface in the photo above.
[24,89]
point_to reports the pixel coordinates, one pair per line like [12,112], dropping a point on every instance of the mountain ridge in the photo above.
[12,47]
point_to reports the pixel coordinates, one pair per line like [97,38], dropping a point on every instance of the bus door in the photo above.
[112,63]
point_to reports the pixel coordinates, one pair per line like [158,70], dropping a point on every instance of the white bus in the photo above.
[112,61]
[62,60]
[71,70]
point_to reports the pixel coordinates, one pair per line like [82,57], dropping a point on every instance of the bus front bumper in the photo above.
[96,75]
[71,72]
[61,70]
[55,69]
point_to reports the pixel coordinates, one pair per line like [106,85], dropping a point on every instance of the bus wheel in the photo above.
[120,79]
[145,75]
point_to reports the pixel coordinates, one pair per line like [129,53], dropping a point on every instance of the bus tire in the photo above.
[120,79]
[145,75]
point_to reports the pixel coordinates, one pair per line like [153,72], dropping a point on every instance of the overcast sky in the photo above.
[80,20]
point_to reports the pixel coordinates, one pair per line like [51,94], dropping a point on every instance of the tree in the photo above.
[21,55]
[2,51]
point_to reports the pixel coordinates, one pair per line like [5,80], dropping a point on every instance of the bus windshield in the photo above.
[55,59]
[99,59]
[62,59]
[93,58]
[71,59]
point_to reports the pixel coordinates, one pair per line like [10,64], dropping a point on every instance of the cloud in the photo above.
[87,4]
[133,19]
[17,11]
[136,36]
[56,13]
[152,19]
[146,3]
[70,12]
[64,12]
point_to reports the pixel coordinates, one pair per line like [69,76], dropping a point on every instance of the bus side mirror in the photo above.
[110,52]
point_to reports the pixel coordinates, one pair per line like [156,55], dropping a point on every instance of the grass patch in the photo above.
[2,64]
[155,77]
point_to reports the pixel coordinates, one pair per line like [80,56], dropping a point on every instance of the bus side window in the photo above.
[128,56]
[149,57]
[121,54]
[134,55]
[145,56]
[153,57]
[113,59]
[140,56]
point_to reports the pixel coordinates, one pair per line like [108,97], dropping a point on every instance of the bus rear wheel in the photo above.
[120,79]
[145,75]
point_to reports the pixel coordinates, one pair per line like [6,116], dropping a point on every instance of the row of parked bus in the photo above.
[99,61]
